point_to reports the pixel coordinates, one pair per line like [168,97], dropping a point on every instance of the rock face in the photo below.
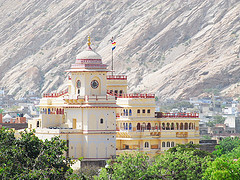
[176,49]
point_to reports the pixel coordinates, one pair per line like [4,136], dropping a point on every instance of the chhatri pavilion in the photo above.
[99,119]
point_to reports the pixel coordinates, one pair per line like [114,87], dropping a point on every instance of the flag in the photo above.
[113,44]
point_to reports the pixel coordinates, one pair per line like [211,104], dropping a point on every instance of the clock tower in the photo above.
[88,74]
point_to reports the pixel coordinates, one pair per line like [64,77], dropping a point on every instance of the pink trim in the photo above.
[54,95]
[116,77]
[131,95]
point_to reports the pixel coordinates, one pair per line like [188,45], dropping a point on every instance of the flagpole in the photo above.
[112,62]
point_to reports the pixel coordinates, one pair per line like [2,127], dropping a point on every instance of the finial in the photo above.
[89,42]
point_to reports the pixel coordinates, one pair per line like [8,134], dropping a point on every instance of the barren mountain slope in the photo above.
[175,49]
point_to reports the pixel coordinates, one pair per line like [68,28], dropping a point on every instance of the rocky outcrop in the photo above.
[175,49]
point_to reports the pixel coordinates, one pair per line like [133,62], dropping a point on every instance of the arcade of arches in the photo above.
[158,126]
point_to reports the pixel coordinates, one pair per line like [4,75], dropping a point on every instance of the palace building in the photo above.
[99,119]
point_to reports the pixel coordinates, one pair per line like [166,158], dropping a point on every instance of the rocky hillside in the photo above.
[176,49]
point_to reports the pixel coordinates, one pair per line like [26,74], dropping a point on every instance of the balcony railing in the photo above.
[176,115]
[54,95]
[116,77]
[131,95]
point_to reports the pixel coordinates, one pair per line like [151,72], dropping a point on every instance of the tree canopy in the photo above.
[28,157]
[226,145]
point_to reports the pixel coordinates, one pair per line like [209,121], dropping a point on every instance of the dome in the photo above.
[88,54]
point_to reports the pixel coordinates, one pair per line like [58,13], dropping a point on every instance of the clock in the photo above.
[94,84]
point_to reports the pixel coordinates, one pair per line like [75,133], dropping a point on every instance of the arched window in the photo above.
[120,92]
[78,86]
[130,112]
[116,92]
[101,120]
[126,112]
[143,111]
[163,144]
[38,124]
[190,125]
[49,111]
[130,126]
[172,126]
[172,144]
[146,145]
[138,126]
[168,126]
[186,126]
[181,126]
[149,126]
[177,126]
[143,126]
[163,126]
[156,125]
[138,111]
[148,111]
[168,144]
[126,126]
[191,142]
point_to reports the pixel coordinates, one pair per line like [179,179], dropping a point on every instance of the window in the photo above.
[126,146]
[130,126]
[111,91]
[191,142]
[138,111]
[126,112]
[78,84]
[101,121]
[149,126]
[148,111]
[168,144]
[38,123]
[138,126]
[130,112]
[120,92]
[146,145]
[116,92]
[172,144]
[163,144]
[126,126]
[143,111]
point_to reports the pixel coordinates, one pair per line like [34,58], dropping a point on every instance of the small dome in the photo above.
[88,54]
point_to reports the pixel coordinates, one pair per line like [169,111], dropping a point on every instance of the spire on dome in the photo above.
[89,42]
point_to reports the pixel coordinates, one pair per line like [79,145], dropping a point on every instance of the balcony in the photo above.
[55,95]
[138,134]
[181,134]
[145,96]
[176,115]
[116,77]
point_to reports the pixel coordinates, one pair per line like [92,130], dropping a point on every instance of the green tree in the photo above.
[28,157]
[216,120]
[225,167]
[127,166]
[195,148]
[226,145]
[179,165]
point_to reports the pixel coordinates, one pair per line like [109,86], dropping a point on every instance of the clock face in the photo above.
[94,84]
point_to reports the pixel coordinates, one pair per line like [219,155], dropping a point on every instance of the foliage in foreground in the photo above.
[225,167]
[226,145]
[31,158]
[172,165]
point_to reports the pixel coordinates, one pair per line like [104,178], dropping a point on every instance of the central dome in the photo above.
[88,54]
